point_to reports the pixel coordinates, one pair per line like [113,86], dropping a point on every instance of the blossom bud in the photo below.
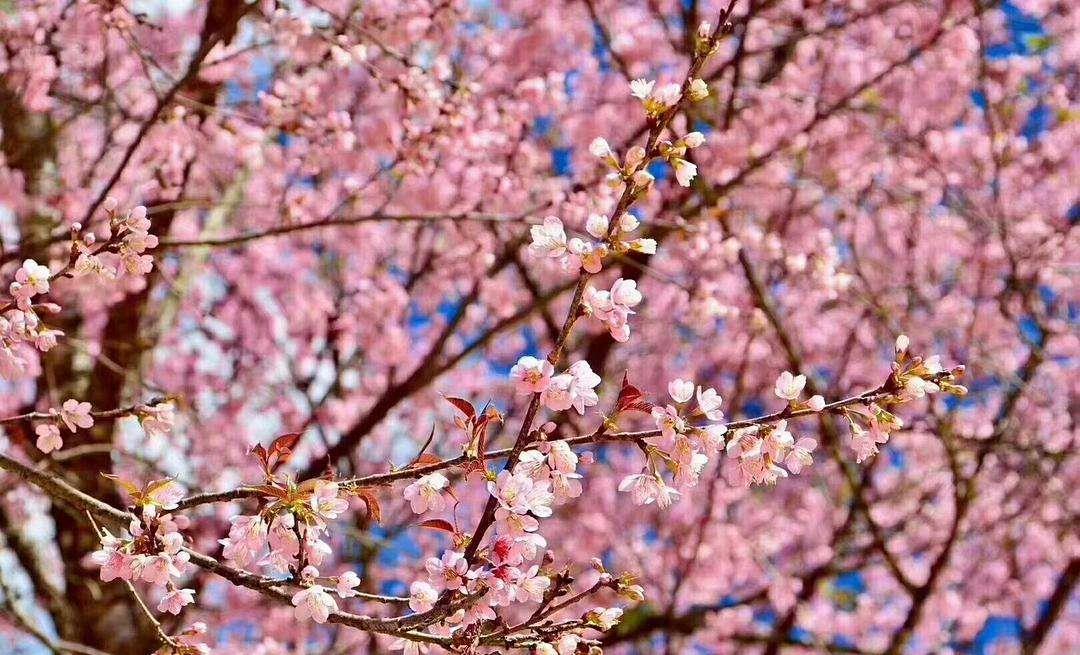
[634,156]
[110,204]
[600,148]
[694,139]
[704,30]
[643,178]
[597,225]
[597,564]
[699,90]
[902,343]
[632,592]
[816,403]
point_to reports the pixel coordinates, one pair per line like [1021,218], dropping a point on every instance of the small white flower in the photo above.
[681,390]
[789,386]
[601,150]
[426,493]
[549,238]
[532,375]
[684,171]
[694,139]
[709,403]
[314,602]
[641,88]
[699,90]
[597,225]
[422,596]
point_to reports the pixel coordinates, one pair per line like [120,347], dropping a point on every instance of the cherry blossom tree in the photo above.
[485,326]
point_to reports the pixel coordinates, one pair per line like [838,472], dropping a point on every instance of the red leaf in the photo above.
[631,398]
[373,508]
[260,453]
[272,492]
[281,450]
[425,459]
[463,406]
[437,524]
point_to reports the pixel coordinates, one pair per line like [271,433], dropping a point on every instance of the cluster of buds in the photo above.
[153,548]
[685,171]
[918,377]
[632,171]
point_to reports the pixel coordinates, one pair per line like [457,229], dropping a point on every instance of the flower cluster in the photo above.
[31,279]
[763,451]
[912,378]
[153,548]
[542,478]
[21,327]
[124,250]
[316,600]
[287,538]
[683,448]
[72,414]
[574,388]
[613,307]
[549,240]
[288,535]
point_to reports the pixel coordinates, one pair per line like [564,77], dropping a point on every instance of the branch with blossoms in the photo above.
[115,250]
[501,590]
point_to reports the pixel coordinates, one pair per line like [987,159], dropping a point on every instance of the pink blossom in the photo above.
[422,596]
[426,493]
[521,494]
[325,501]
[314,602]
[48,437]
[681,390]
[789,386]
[347,583]
[532,375]
[449,570]
[175,600]
[75,414]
